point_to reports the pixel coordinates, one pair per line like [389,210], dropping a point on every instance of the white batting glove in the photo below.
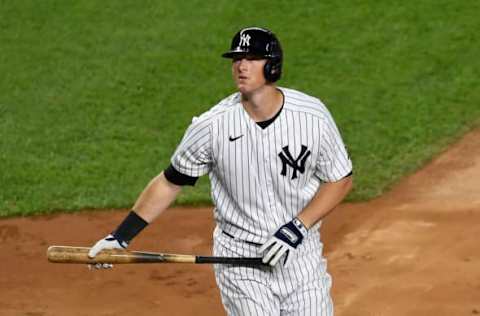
[284,242]
[108,242]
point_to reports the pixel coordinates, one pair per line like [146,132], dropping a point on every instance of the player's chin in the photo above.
[247,88]
[243,88]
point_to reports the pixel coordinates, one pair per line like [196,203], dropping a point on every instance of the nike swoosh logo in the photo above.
[232,139]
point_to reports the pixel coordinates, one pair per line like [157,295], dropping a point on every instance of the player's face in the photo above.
[248,73]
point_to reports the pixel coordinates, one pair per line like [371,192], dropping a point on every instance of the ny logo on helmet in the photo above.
[244,40]
[297,164]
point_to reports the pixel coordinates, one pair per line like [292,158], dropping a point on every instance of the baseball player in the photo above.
[277,166]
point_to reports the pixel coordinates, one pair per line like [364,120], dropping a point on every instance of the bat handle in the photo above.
[235,261]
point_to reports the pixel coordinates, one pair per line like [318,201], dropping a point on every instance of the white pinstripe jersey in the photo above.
[262,178]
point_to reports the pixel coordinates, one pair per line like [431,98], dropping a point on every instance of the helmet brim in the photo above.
[236,53]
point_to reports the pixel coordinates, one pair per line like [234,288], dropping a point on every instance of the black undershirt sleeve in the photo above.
[174,176]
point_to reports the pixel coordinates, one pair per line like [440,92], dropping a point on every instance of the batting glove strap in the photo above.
[129,228]
[108,242]
[292,233]
[112,238]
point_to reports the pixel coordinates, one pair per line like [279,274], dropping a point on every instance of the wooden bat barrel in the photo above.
[66,254]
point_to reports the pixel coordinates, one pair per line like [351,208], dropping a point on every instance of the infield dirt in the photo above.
[414,251]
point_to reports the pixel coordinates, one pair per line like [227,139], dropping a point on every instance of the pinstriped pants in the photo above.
[303,288]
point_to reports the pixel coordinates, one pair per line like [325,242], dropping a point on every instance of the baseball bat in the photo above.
[68,254]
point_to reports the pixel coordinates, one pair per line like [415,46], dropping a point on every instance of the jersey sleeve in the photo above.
[193,155]
[334,162]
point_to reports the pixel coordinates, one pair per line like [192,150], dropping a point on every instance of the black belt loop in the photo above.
[248,242]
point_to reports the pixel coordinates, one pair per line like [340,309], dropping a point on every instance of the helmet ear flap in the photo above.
[272,69]
[273,66]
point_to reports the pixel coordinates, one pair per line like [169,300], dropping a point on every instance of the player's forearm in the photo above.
[325,200]
[156,197]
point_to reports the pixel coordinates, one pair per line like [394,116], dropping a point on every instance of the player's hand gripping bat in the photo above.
[67,254]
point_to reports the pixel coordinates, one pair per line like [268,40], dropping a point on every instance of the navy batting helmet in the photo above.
[259,42]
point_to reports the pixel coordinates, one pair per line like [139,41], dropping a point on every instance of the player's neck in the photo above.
[263,103]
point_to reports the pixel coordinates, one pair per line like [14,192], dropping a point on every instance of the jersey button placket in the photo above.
[269,183]
[267,167]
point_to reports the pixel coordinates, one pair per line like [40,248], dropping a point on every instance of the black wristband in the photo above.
[130,227]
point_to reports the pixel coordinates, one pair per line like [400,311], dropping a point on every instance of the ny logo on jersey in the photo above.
[244,40]
[287,159]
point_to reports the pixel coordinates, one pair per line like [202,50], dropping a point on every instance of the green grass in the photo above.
[95,95]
